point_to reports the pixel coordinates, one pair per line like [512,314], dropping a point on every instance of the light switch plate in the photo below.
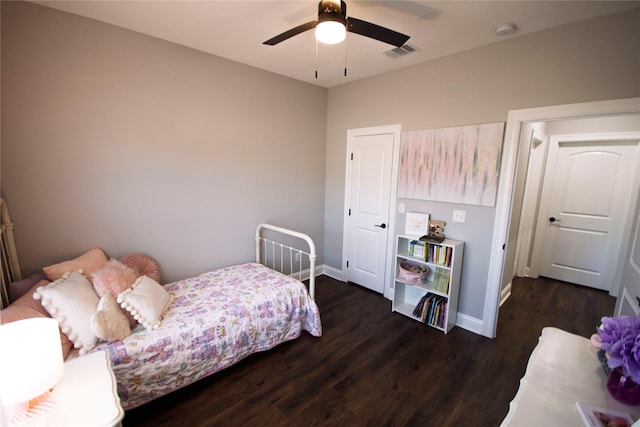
[401,208]
[459,216]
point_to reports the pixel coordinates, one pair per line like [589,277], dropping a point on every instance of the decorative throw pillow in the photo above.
[88,262]
[113,278]
[26,307]
[20,287]
[109,323]
[143,264]
[147,301]
[71,300]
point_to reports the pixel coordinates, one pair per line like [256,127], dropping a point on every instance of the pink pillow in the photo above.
[18,288]
[26,307]
[88,262]
[144,265]
[113,278]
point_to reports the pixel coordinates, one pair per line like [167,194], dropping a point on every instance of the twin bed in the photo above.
[215,319]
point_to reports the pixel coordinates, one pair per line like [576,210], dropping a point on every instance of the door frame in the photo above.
[533,187]
[627,223]
[393,200]
[515,120]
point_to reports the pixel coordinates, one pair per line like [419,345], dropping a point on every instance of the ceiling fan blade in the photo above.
[292,32]
[377,32]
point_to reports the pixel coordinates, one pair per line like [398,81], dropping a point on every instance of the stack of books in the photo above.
[431,309]
[441,280]
[437,254]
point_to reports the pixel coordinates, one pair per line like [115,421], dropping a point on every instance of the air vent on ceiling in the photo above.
[403,50]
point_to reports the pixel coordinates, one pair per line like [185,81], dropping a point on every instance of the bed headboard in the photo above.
[284,256]
[10,265]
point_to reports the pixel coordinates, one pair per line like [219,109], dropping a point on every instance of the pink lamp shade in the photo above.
[31,360]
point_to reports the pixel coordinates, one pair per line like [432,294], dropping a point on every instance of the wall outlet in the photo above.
[459,216]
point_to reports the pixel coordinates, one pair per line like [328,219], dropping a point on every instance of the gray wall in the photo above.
[117,139]
[592,60]
[121,140]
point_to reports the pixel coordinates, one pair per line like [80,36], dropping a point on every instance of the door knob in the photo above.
[553,219]
[383,225]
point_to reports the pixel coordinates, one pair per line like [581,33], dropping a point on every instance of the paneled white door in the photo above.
[370,166]
[586,199]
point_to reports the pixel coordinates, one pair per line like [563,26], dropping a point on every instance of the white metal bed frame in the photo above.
[290,258]
[10,266]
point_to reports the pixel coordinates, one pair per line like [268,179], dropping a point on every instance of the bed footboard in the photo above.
[286,256]
[9,256]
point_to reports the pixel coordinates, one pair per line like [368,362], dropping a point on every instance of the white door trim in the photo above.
[604,139]
[533,185]
[351,134]
[515,120]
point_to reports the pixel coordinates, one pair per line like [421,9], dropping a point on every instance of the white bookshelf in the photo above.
[440,287]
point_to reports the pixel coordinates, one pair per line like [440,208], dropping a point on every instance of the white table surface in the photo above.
[563,368]
[87,394]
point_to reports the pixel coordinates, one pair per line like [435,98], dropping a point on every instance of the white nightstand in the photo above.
[87,394]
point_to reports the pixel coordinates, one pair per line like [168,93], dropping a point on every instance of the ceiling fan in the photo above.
[333,23]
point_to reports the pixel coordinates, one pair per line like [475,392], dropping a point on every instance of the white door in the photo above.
[368,197]
[585,200]
[628,304]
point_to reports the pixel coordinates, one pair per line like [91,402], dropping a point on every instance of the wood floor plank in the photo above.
[375,367]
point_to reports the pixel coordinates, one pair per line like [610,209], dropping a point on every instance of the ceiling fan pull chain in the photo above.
[346,46]
[316,58]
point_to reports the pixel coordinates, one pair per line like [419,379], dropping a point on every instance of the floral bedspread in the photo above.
[216,319]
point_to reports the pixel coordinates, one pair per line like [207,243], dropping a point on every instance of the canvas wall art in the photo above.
[457,165]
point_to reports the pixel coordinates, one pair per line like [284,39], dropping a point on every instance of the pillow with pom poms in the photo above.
[146,301]
[72,301]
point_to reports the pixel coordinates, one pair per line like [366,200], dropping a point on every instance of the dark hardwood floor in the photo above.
[375,367]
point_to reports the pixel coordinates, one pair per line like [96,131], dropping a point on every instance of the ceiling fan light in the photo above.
[330,32]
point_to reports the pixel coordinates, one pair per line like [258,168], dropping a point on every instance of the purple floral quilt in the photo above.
[216,319]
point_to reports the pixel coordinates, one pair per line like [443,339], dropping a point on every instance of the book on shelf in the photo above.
[418,310]
[431,309]
[438,254]
[441,279]
[416,249]
[602,417]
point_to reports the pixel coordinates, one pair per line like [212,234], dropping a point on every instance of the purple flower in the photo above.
[621,340]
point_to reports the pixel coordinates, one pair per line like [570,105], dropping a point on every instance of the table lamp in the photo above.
[31,364]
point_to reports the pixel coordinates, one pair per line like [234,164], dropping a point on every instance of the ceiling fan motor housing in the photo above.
[333,14]
[329,10]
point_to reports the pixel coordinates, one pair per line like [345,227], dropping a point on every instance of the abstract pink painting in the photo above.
[457,165]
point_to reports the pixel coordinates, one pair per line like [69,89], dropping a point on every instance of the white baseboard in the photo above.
[332,272]
[471,324]
[505,294]
[628,305]
[320,270]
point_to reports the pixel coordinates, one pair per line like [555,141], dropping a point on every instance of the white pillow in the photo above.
[71,300]
[109,323]
[146,300]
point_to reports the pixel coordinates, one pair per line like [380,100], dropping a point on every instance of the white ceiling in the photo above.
[236,29]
